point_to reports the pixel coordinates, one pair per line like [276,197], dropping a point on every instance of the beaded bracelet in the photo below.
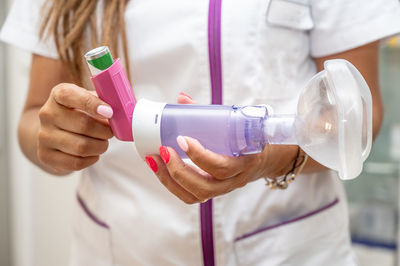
[284,181]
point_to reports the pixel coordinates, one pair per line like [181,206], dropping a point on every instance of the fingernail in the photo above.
[182,143]
[105,111]
[164,153]
[183,94]
[151,163]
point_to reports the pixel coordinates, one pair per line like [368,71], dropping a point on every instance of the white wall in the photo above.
[41,205]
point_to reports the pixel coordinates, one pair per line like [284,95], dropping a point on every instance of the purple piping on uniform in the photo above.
[89,213]
[214,52]
[207,236]
[288,221]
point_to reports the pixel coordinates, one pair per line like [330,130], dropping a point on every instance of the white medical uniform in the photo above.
[128,218]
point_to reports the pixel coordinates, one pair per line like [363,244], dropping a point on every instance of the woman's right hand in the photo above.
[73,129]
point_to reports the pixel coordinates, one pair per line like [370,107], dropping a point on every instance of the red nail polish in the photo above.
[151,163]
[164,153]
[183,94]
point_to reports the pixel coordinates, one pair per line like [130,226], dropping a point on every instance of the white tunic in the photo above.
[126,217]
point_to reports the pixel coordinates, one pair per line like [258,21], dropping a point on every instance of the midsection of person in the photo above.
[169,52]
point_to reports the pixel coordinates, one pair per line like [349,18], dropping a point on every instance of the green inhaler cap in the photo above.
[99,59]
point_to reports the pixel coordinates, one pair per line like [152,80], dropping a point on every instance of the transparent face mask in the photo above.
[334,118]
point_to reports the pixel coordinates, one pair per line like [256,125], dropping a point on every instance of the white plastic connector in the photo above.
[146,123]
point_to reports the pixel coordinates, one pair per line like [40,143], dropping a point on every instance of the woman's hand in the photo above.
[73,129]
[216,174]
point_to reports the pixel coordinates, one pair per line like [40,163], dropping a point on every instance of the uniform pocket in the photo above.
[290,14]
[317,238]
[91,244]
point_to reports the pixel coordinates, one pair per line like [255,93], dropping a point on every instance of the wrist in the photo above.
[282,182]
[279,159]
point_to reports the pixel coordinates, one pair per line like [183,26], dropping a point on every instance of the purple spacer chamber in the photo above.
[228,130]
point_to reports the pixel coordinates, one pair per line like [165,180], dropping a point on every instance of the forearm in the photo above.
[28,135]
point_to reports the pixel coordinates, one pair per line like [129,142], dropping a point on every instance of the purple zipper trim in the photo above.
[214,53]
[89,213]
[207,236]
[305,216]
[214,50]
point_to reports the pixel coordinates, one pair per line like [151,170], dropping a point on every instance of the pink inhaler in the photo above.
[113,87]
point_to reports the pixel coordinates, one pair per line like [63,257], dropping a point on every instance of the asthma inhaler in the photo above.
[333,122]
[112,86]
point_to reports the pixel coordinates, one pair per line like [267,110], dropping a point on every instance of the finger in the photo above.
[185,99]
[72,96]
[217,165]
[190,178]
[161,171]
[65,162]
[73,144]
[81,123]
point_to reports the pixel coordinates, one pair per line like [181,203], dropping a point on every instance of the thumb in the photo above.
[75,97]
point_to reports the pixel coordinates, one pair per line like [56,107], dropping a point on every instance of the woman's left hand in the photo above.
[216,174]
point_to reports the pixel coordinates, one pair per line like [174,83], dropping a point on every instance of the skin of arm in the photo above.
[60,129]
[218,174]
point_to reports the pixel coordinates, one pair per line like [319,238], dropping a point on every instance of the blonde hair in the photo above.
[74,26]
